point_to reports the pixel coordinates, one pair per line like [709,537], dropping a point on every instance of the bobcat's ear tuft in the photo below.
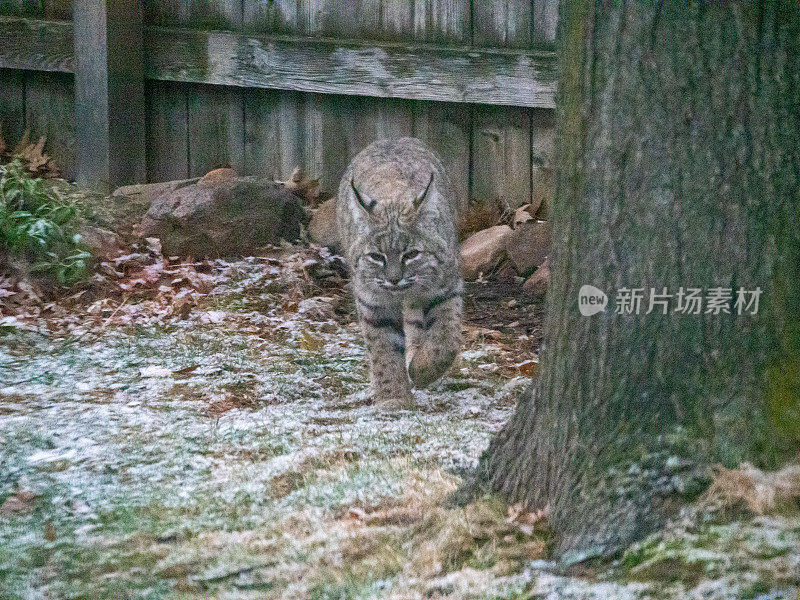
[367,203]
[419,199]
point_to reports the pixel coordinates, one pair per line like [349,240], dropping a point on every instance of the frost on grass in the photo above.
[219,443]
[162,453]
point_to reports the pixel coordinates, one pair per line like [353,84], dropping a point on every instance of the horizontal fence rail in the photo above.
[409,71]
[169,89]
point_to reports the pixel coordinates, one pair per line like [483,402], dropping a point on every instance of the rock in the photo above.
[124,209]
[322,229]
[304,186]
[218,175]
[102,243]
[483,251]
[537,284]
[147,192]
[528,246]
[223,216]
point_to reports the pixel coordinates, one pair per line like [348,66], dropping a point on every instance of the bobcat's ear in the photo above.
[419,199]
[367,203]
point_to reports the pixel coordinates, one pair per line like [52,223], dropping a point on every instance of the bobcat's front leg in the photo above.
[386,347]
[433,332]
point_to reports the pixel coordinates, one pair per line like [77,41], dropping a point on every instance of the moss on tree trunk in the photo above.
[679,154]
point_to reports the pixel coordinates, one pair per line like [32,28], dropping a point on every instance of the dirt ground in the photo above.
[203,430]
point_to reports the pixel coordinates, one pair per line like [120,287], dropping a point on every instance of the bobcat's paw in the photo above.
[426,366]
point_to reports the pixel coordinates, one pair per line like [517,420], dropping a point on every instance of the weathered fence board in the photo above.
[35,45]
[167,132]
[58,9]
[273,132]
[445,127]
[505,23]
[310,83]
[31,8]
[50,112]
[351,123]
[167,104]
[215,14]
[443,21]
[418,72]
[332,67]
[407,20]
[109,88]
[12,106]
[501,146]
[215,129]
[542,159]
[165,12]
[263,132]
[545,21]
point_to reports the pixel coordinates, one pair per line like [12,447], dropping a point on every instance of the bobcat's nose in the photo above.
[395,279]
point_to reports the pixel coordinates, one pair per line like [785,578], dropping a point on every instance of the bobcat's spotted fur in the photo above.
[397,216]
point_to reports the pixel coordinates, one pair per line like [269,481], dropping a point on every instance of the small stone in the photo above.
[102,243]
[218,175]
[528,246]
[537,284]
[322,229]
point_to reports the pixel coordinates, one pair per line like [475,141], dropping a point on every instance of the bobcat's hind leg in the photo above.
[386,347]
[434,338]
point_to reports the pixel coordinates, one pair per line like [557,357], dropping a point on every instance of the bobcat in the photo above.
[397,215]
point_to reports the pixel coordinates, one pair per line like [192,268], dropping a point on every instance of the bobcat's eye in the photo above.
[411,255]
[377,258]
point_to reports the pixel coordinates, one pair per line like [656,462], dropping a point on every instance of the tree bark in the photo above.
[678,148]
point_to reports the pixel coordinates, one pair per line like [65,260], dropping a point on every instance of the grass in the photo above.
[263,474]
[39,227]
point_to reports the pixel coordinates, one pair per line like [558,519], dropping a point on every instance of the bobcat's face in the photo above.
[395,255]
[395,261]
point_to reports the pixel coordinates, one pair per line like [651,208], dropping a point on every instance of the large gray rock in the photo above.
[223,216]
[528,246]
[483,251]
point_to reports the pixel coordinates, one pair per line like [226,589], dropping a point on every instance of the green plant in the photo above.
[39,225]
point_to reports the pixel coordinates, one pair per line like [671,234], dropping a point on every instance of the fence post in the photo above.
[109,93]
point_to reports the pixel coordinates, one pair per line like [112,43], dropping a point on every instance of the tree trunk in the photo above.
[679,155]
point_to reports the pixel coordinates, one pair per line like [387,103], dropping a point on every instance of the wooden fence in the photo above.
[265,85]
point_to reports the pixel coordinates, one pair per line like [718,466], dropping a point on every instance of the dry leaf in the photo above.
[155,371]
[762,492]
[522,215]
[527,368]
[357,513]
[18,504]
[50,532]
[24,142]
[34,157]
[212,317]
[311,342]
